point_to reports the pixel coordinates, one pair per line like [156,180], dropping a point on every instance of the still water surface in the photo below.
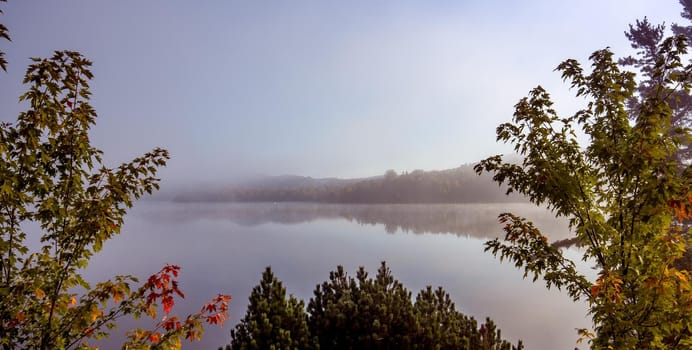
[225,247]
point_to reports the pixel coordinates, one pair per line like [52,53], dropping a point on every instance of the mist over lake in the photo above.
[316,136]
[224,247]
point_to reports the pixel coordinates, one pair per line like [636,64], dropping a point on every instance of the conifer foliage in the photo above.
[360,313]
[348,313]
[442,327]
[272,321]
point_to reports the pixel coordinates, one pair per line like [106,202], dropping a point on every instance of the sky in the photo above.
[315,88]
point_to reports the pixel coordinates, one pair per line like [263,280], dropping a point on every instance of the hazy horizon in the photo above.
[313,88]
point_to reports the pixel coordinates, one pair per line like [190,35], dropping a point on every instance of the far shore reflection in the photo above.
[224,247]
[471,219]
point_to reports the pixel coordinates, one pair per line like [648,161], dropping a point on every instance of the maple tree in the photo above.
[54,190]
[625,193]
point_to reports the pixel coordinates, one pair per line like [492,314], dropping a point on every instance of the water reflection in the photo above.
[474,220]
[225,247]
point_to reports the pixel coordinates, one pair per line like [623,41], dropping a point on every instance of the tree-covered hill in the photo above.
[458,185]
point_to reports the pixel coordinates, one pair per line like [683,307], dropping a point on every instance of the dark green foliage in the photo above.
[446,327]
[442,327]
[272,321]
[348,313]
[361,313]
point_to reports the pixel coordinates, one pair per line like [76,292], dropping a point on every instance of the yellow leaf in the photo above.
[95,313]
[681,276]
[39,293]
[151,312]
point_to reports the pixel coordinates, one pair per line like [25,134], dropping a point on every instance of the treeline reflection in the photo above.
[470,219]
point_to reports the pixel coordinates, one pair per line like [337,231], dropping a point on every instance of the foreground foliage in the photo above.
[58,206]
[626,193]
[359,313]
[272,321]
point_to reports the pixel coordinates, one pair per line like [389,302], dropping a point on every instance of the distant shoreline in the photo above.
[452,186]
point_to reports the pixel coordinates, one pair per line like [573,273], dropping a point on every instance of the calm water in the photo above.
[225,247]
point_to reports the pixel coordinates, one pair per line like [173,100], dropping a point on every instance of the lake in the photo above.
[224,247]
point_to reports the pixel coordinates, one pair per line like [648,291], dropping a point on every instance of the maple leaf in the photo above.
[594,290]
[168,303]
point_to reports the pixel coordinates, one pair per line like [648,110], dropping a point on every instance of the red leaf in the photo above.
[168,303]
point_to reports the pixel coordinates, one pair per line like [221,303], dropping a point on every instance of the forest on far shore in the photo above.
[458,185]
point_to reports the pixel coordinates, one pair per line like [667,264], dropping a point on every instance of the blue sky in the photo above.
[317,88]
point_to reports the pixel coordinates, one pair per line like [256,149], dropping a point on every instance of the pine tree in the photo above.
[646,38]
[443,327]
[272,320]
[362,313]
